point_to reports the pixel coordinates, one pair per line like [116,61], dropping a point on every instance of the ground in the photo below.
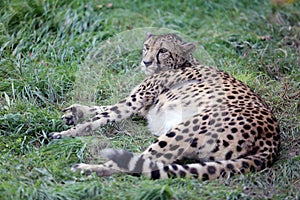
[44,45]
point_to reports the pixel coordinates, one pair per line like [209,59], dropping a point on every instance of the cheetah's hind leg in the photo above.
[102,170]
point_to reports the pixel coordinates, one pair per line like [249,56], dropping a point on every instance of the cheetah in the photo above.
[208,124]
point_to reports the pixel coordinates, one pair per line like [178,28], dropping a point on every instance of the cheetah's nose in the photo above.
[147,63]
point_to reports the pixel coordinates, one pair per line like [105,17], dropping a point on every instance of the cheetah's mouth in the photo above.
[148,70]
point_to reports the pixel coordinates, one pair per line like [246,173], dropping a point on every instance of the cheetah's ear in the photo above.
[189,47]
[149,35]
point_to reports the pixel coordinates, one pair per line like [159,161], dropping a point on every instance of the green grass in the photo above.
[44,46]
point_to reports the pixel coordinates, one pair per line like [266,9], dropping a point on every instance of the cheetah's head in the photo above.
[165,52]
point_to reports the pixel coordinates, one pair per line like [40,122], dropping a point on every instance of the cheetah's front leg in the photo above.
[115,113]
[133,104]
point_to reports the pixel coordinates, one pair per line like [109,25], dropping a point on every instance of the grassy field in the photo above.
[45,50]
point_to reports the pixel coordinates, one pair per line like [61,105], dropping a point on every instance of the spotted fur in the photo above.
[199,113]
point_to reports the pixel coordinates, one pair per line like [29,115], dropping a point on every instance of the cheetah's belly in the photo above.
[167,114]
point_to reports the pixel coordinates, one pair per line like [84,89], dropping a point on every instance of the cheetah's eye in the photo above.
[146,47]
[163,50]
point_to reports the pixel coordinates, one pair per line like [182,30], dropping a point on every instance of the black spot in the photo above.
[240,142]
[224,113]
[133,108]
[168,155]
[182,174]
[215,115]
[211,169]
[269,143]
[195,121]
[270,120]
[187,123]
[253,132]
[178,137]
[220,130]
[205,177]
[271,128]
[166,168]
[215,149]
[158,155]
[255,150]
[194,172]
[257,162]
[249,120]
[263,165]
[225,143]
[173,148]
[269,135]
[153,152]
[194,142]
[245,164]
[155,174]
[231,97]
[260,117]
[264,113]
[210,141]
[196,128]
[261,143]
[129,104]
[276,137]
[95,119]
[105,114]
[114,108]
[218,124]
[228,155]
[162,144]
[238,148]
[247,127]
[185,167]
[230,166]
[260,123]
[203,131]
[174,166]
[186,130]
[230,137]
[211,122]
[269,164]
[240,118]
[246,135]
[226,119]
[180,151]
[171,134]
[234,130]
[205,117]
[259,130]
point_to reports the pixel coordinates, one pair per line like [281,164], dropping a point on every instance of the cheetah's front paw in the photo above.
[74,114]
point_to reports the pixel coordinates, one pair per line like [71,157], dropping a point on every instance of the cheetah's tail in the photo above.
[135,164]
